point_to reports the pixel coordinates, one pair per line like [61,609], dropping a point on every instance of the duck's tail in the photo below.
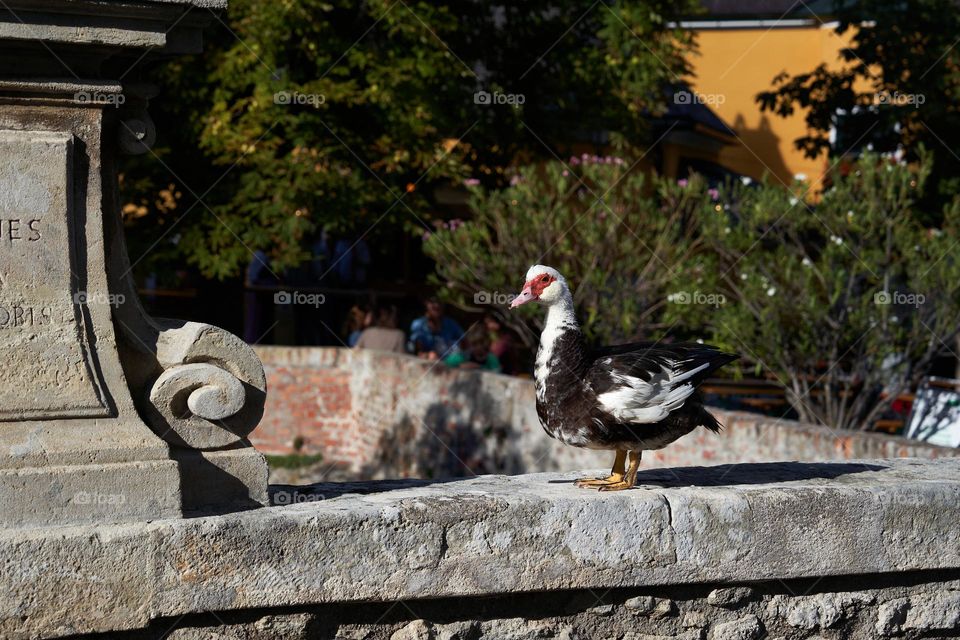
[708,420]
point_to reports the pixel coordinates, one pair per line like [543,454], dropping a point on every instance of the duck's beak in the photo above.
[523,297]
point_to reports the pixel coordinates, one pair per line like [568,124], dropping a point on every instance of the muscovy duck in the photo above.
[627,397]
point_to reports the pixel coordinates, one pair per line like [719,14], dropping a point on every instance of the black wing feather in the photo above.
[646,359]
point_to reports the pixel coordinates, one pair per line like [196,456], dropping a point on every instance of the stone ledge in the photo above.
[401,540]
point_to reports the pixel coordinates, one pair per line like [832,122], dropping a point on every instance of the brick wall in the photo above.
[375,415]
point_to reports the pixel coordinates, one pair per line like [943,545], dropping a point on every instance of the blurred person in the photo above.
[501,342]
[383,334]
[476,353]
[358,319]
[434,335]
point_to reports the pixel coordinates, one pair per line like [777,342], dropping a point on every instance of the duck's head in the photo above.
[544,285]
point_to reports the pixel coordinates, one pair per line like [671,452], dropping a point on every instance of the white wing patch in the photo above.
[637,401]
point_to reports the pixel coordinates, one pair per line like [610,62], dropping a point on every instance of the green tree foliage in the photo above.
[595,221]
[898,84]
[311,114]
[840,301]
[846,302]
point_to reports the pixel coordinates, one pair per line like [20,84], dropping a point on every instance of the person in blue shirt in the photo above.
[434,335]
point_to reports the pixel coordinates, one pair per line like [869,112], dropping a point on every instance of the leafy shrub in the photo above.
[846,301]
[618,236]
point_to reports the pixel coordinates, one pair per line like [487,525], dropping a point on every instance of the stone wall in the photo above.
[848,608]
[854,550]
[375,415]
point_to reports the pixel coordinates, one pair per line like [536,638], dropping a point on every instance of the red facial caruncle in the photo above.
[533,289]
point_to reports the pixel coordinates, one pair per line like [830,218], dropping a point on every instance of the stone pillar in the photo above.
[105,413]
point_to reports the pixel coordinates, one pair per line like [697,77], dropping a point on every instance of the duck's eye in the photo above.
[543,278]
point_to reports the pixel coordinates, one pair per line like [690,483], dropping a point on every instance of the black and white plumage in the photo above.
[626,398]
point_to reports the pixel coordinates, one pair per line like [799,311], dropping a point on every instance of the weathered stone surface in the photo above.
[44,339]
[98,29]
[467,630]
[569,615]
[71,440]
[211,479]
[291,626]
[212,389]
[931,612]
[939,612]
[745,628]
[602,610]
[650,606]
[730,597]
[416,630]
[822,611]
[78,356]
[695,619]
[404,540]
[891,616]
[81,494]
[683,635]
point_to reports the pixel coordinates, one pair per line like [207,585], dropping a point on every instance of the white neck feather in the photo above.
[560,317]
[561,313]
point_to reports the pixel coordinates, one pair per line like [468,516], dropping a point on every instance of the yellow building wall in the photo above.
[737,64]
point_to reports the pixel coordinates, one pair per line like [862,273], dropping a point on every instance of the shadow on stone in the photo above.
[284,494]
[747,473]
[219,482]
[460,436]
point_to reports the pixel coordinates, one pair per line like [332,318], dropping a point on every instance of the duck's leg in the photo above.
[630,478]
[616,474]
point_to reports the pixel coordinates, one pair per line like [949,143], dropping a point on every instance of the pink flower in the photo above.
[471,182]
[515,180]
[714,193]
[682,183]
[565,173]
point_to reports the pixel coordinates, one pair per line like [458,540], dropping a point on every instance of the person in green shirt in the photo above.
[475,353]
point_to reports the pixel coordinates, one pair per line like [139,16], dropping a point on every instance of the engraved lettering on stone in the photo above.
[46,367]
